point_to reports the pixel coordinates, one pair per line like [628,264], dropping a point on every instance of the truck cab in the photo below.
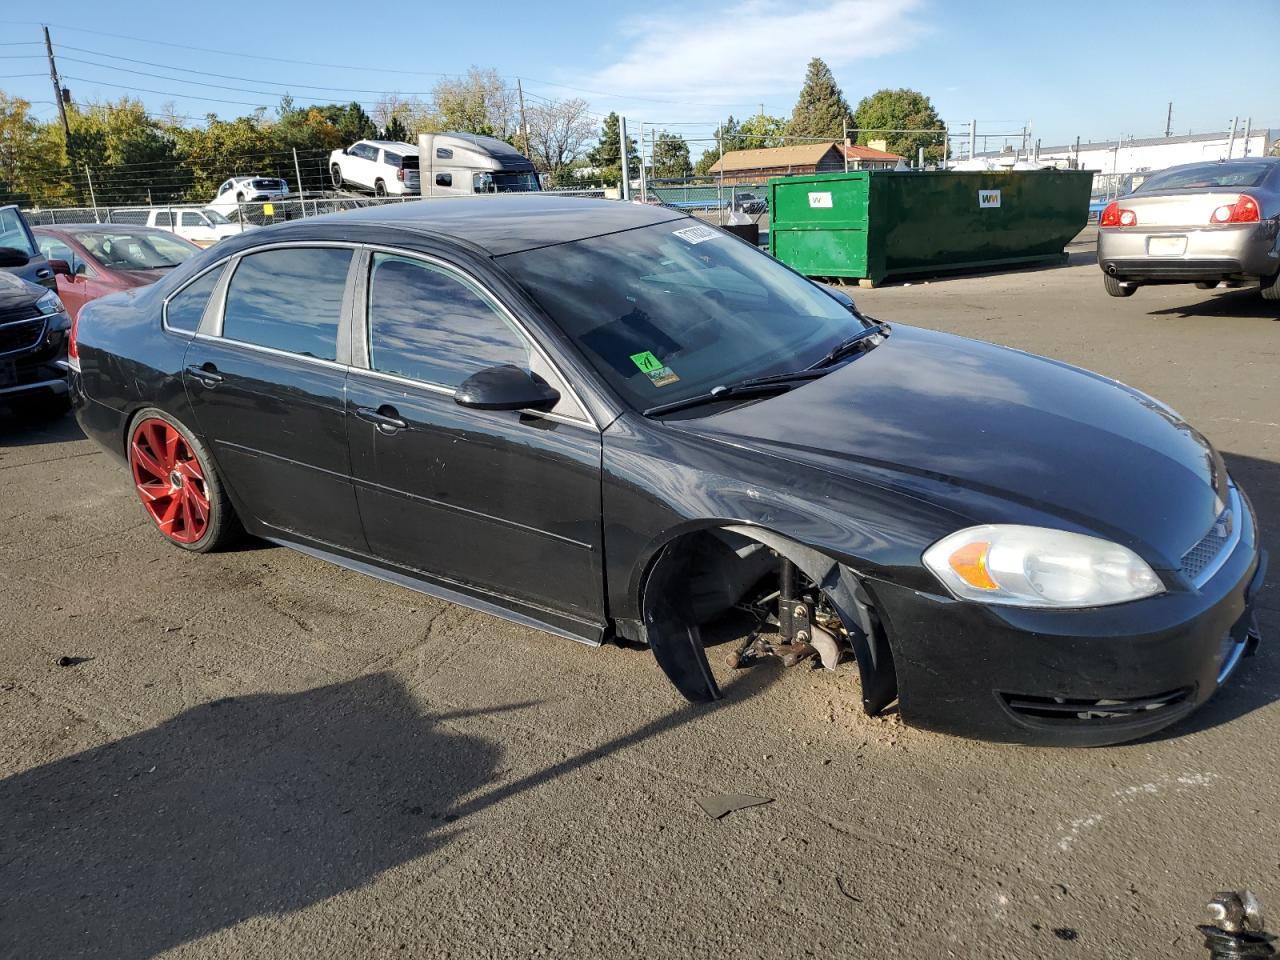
[464,164]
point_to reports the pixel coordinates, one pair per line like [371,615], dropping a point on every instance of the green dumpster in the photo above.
[872,224]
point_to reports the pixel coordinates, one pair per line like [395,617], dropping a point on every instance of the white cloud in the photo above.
[751,50]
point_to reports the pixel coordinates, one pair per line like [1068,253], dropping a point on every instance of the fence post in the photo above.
[92,198]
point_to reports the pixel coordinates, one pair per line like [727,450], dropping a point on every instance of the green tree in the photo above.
[395,130]
[605,155]
[131,156]
[31,164]
[728,134]
[671,157]
[481,102]
[821,110]
[902,109]
[761,131]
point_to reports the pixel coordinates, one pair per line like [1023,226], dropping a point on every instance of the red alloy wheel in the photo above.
[170,480]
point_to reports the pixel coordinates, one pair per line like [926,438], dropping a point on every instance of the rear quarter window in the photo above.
[186,307]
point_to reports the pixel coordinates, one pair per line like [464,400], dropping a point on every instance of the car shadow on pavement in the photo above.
[1253,686]
[248,806]
[1243,302]
[28,430]
[251,805]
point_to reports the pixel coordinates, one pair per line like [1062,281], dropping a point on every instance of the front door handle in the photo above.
[386,418]
[207,374]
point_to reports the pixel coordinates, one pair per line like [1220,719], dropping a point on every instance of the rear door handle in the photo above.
[208,374]
[386,418]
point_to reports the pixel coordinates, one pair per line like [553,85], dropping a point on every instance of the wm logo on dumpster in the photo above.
[988,198]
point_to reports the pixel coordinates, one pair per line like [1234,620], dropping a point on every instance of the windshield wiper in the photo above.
[777,383]
[862,340]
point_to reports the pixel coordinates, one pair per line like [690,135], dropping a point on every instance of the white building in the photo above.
[1150,153]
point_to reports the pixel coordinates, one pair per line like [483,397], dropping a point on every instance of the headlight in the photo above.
[50,304]
[1019,566]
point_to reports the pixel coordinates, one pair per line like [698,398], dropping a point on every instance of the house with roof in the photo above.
[752,166]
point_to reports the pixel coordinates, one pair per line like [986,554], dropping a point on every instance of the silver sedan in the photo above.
[1199,223]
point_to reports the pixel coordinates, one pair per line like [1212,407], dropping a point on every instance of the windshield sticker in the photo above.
[698,234]
[654,369]
[646,361]
[662,376]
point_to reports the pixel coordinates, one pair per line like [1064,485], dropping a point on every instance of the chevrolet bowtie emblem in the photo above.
[1223,527]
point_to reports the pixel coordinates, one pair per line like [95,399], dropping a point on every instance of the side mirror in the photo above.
[843,298]
[13,257]
[506,388]
[60,266]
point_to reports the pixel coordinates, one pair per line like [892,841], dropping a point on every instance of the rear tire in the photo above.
[1271,291]
[1206,285]
[379,188]
[178,485]
[335,174]
[1116,288]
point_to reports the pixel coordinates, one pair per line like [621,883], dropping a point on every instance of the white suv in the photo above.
[202,227]
[240,190]
[387,167]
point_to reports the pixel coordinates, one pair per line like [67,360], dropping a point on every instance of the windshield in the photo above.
[669,311]
[13,233]
[1208,175]
[137,251]
[498,182]
[215,217]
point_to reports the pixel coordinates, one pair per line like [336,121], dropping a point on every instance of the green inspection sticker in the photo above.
[646,361]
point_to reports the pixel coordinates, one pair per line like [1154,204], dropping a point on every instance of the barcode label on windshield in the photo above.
[699,234]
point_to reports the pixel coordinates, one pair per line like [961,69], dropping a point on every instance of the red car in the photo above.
[91,260]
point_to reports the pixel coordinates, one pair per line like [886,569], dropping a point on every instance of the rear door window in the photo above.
[191,219]
[288,300]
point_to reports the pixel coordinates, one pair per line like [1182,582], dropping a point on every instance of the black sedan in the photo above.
[611,421]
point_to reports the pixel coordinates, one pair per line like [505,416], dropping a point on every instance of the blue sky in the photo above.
[1089,69]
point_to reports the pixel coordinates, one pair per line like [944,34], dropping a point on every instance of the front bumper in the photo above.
[42,370]
[1250,250]
[1076,677]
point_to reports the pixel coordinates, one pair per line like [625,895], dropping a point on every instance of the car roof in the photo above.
[98,227]
[501,224]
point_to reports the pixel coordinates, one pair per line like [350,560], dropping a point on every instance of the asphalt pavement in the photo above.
[255,754]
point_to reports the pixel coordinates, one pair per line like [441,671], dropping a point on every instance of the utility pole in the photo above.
[1231,144]
[622,154]
[298,171]
[92,196]
[524,124]
[57,90]
[653,150]
[1168,122]
[973,139]
[845,151]
[1248,123]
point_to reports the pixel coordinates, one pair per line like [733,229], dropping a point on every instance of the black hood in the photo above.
[939,415]
[16,292]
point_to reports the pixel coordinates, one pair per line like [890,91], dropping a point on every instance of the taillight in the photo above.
[1115,216]
[1244,210]
[73,348]
[400,174]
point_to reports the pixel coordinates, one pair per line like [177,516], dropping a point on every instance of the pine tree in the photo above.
[604,156]
[821,111]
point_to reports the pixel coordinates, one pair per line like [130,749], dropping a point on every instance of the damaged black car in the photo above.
[612,421]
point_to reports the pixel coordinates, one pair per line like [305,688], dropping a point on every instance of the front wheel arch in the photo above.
[673,633]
